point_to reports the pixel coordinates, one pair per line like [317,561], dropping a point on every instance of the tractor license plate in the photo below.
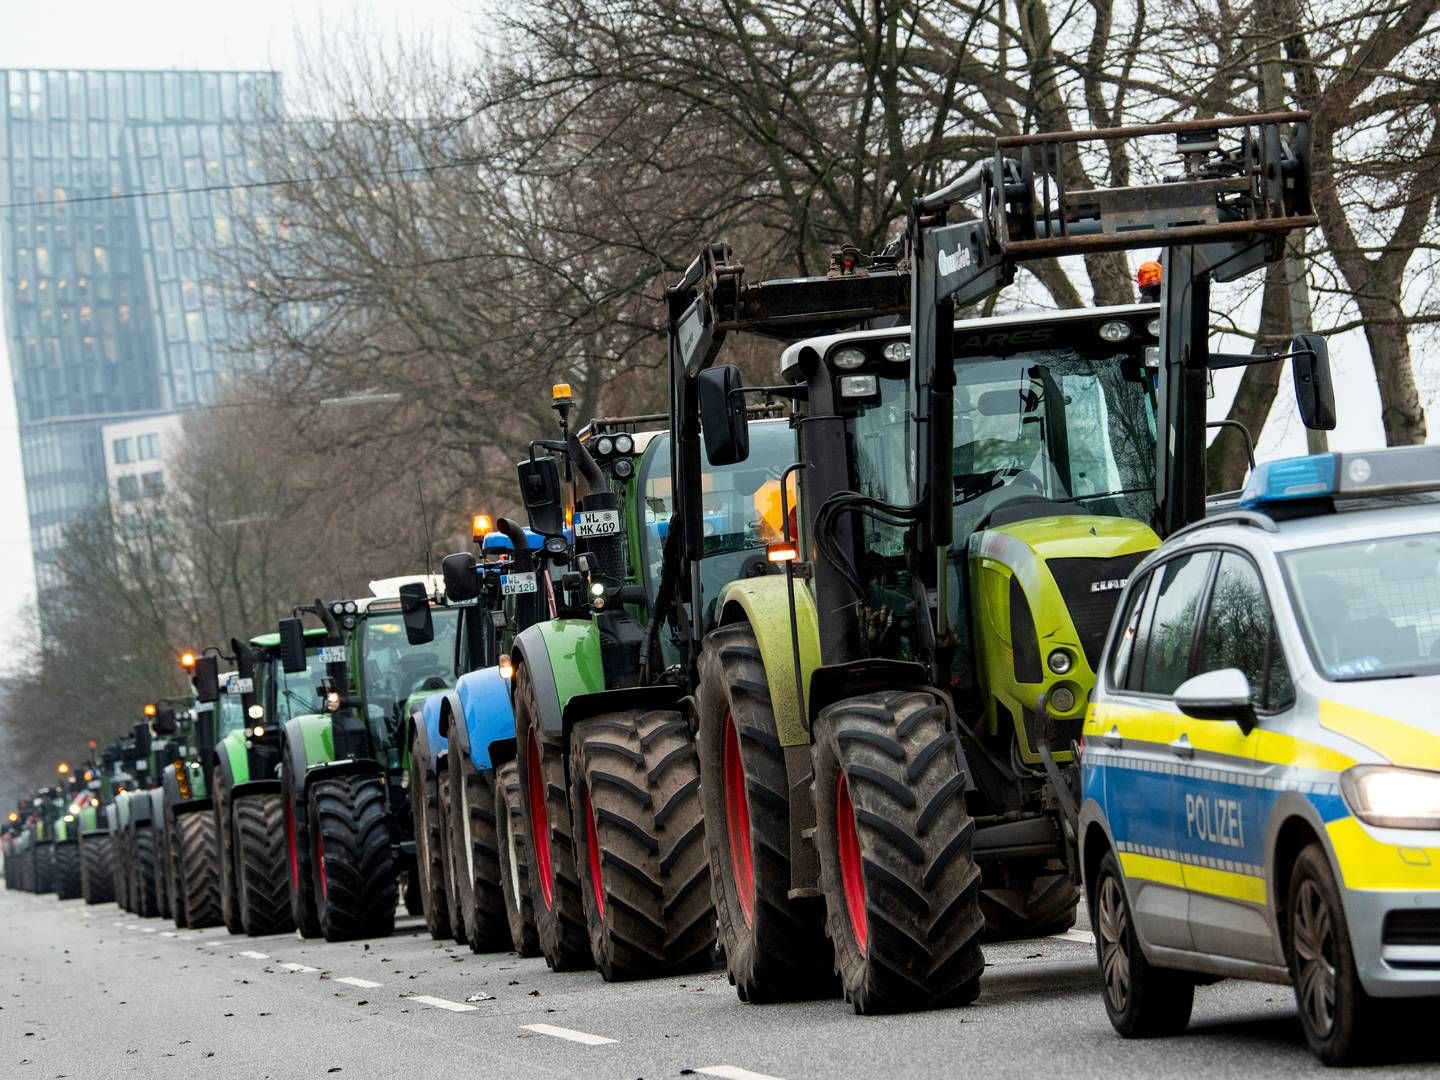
[238,685]
[332,654]
[514,584]
[597,523]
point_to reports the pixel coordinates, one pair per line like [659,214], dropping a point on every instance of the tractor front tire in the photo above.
[476,854]
[97,873]
[120,868]
[512,839]
[429,852]
[262,864]
[301,850]
[144,873]
[447,848]
[67,870]
[902,890]
[225,842]
[559,908]
[355,888]
[45,867]
[198,852]
[174,881]
[1028,904]
[640,845]
[775,947]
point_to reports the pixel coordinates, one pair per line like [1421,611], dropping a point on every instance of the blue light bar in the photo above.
[1291,479]
[497,541]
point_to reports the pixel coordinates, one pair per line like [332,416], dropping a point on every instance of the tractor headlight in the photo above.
[1391,797]
[624,444]
[1060,661]
[1062,699]
[1153,327]
[1115,331]
[623,468]
[351,607]
[896,351]
[258,731]
[69,817]
[604,445]
[849,359]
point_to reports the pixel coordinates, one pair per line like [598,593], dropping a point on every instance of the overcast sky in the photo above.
[261,34]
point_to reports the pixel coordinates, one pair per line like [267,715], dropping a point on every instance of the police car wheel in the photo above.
[1143,1001]
[1334,1008]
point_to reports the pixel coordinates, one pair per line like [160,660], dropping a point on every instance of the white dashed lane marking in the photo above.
[730,1072]
[440,1003]
[253,955]
[566,1033]
[148,929]
[167,933]
[364,984]
[298,967]
[215,944]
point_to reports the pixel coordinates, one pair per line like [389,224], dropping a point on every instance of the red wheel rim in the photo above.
[852,876]
[737,822]
[294,851]
[539,822]
[320,862]
[592,845]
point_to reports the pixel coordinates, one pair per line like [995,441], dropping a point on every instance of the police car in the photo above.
[1261,757]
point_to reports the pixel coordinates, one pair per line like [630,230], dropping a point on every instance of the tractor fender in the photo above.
[135,808]
[420,751]
[582,707]
[483,700]
[309,742]
[437,714]
[175,802]
[110,818]
[563,659]
[349,767]
[764,603]
[157,807]
[421,711]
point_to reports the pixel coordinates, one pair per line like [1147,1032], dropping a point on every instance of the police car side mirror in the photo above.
[1218,695]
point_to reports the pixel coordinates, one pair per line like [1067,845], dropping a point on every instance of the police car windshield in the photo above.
[1370,609]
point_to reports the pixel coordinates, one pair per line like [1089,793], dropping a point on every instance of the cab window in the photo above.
[1167,635]
[1239,632]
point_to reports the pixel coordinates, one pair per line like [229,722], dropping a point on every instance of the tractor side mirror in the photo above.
[165,722]
[415,607]
[540,488]
[462,583]
[1314,390]
[207,678]
[142,741]
[722,415]
[292,645]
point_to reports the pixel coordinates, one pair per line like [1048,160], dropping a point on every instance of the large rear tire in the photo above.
[120,867]
[775,947]
[144,872]
[198,852]
[174,885]
[355,878]
[67,869]
[262,862]
[301,852]
[97,873]
[476,854]
[429,852]
[902,891]
[225,841]
[640,843]
[447,848]
[555,885]
[44,866]
[512,838]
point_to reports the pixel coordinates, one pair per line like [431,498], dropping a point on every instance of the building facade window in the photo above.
[147,447]
[123,451]
[152,484]
[128,488]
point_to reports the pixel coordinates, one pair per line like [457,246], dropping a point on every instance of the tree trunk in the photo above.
[1400,408]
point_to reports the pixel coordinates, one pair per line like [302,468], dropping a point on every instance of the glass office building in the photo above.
[113,305]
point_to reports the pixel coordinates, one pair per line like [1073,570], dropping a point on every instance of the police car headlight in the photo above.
[1393,798]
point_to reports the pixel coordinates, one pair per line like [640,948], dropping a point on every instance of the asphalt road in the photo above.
[97,993]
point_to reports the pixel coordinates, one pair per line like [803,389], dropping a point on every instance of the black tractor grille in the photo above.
[1091,588]
[1413,927]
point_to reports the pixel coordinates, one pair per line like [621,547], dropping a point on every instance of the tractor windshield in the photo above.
[394,669]
[297,693]
[229,715]
[740,503]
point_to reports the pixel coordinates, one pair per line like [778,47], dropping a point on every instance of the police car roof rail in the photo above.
[1228,517]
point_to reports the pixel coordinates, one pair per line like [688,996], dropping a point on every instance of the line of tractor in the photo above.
[787,677]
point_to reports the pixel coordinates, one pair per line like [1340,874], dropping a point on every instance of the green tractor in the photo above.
[260,697]
[97,869]
[348,822]
[884,783]
[608,774]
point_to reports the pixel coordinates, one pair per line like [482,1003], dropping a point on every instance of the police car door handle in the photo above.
[1181,747]
[1112,737]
